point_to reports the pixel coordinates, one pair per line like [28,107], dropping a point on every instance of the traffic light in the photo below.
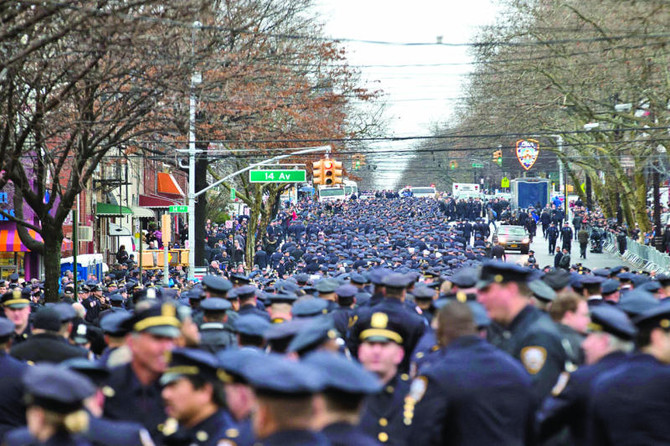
[453,165]
[332,172]
[358,161]
[497,157]
[318,176]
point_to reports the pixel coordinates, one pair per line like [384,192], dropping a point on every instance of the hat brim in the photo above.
[169,378]
[166,331]
[483,283]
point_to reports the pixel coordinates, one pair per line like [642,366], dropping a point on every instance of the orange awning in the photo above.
[168,185]
[10,241]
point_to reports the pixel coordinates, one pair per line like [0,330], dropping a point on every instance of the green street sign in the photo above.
[232,193]
[277,176]
[178,209]
[477,165]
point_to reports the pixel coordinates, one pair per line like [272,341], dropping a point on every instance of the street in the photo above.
[593,260]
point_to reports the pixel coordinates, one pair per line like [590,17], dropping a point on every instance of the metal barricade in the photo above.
[641,256]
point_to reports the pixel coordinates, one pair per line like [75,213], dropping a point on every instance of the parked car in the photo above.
[512,237]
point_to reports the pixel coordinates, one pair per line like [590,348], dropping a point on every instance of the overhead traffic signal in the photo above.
[317,172]
[332,172]
[357,161]
[453,165]
[497,157]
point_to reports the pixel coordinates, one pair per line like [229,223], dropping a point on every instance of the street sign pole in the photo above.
[192,194]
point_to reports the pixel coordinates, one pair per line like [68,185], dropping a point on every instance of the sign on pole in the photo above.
[277,176]
[527,151]
[178,209]
[232,193]
[504,182]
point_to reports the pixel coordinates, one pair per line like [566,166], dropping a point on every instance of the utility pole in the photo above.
[196,79]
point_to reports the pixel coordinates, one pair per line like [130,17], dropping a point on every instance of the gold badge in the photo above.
[170,427]
[561,382]
[461,297]
[201,436]
[379,320]
[168,310]
[533,358]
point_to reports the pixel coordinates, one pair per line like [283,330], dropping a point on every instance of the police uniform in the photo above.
[473,394]
[281,379]
[344,378]
[215,336]
[132,400]
[48,346]
[60,391]
[12,409]
[343,316]
[217,429]
[569,403]
[382,416]
[531,337]
[629,404]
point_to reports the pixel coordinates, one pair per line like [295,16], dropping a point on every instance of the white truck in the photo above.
[466,190]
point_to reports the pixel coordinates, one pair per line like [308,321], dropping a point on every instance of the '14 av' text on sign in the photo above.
[277,176]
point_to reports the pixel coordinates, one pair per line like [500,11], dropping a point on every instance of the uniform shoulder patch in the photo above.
[418,388]
[533,358]
[561,382]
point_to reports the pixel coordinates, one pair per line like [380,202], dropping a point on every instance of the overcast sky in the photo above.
[417,95]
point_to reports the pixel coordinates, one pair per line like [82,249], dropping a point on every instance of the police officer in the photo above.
[17,310]
[566,236]
[48,342]
[381,352]
[628,403]
[137,391]
[193,395]
[346,384]
[55,400]
[413,325]
[523,331]
[552,237]
[285,393]
[449,404]
[215,331]
[609,340]
[343,316]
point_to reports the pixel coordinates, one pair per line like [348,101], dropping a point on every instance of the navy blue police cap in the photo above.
[609,319]
[319,330]
[309,307]
[215,304]
[231,363]
[609,286]
[542,291]
[279,376]
[158,319]
[6,329]
[396,280]
[190,362]
[656,317]
[216,284]
[637,302]
[56,389]
[495,271]
[464,278]
[343,375]
[251,325]
[115,324]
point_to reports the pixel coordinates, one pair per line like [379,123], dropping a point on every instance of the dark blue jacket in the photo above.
[474,394]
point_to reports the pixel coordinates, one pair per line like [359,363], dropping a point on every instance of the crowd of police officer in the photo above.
[392,330]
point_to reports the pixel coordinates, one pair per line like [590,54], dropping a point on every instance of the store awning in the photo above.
[141,212]
[111,210]
[168,185]
[11,242]
[151,201]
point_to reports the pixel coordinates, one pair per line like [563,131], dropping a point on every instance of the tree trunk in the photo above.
[53,240]
[639,202]
[250,248]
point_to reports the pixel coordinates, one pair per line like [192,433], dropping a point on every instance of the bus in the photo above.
[331,193]
[419,192]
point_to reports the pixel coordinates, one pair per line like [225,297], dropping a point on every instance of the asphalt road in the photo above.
[540,246]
